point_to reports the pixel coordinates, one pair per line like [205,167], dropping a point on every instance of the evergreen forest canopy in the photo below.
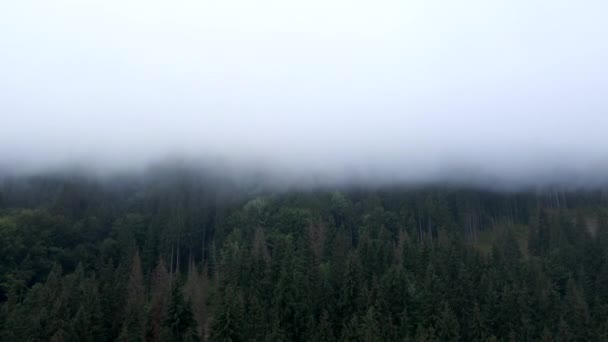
[186,257]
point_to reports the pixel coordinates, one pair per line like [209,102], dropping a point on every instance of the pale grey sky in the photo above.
[404,89]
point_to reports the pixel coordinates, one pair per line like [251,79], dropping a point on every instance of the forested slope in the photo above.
[187,258]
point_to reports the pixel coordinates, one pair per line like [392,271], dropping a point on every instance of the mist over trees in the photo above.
[196,257]
[313,170]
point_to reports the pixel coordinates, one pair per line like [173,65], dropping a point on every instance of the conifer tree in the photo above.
[159,299]
[180,324]
[134,316]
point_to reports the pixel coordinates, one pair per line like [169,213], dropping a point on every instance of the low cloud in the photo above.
[504,93]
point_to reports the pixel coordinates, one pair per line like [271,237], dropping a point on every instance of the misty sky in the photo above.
[404,89]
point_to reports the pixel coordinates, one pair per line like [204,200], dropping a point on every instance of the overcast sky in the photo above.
[403,89]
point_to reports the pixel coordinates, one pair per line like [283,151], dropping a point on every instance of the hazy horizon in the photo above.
[491,93]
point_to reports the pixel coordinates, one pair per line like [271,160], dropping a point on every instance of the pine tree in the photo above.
[179,322]
[134,317]
[229,318]
[196,290]
[80,326]
[577,313]
[159,284]
[369,329]
[325,332]
[447,327]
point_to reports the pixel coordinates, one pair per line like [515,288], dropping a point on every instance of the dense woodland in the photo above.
[188,258]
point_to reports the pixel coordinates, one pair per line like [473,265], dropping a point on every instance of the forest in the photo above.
[190,258]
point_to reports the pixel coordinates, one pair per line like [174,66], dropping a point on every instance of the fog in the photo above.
[485,92]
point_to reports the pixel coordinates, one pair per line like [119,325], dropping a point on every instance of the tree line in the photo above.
[189,260]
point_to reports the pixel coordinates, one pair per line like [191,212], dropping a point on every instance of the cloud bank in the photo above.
[386,91]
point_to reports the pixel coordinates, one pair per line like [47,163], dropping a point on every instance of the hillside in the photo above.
[85,260]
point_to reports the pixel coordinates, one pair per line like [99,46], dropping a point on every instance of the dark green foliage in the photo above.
[179,323]
[134,316]
[386,265]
